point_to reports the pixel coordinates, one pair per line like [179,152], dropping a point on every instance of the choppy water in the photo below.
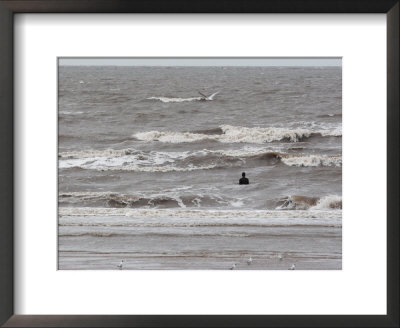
[149,168]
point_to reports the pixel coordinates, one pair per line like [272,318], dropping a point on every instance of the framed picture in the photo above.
[196,162]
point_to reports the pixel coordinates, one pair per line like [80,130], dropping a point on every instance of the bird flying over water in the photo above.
[211,97]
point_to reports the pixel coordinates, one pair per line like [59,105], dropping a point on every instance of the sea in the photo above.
[149,162]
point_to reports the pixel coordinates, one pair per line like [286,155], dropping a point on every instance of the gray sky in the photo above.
[193,61]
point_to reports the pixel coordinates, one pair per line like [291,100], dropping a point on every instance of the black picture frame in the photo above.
[10,7]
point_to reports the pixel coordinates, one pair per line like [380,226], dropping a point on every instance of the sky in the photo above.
[205,61]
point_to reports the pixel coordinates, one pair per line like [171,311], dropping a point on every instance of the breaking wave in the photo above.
[328,202]
[96,153]
[128,217]
[183,198]
[309,203]
[238,134]
[141,161]
[179,100]
[166,199]
[174,100]
[313,160]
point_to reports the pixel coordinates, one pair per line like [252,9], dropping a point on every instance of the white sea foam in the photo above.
[313,160]
[177,197]
[96,153]
[261,135]
[124,160]
[335,132]
[172,137]
[65,112]
[236,134]
[87,194]
[328,202]
[174,100]
[178,99]
[109,166]
[133,160]
[138,161]
[140,155]
[249,151]
[331,202]
[89,216]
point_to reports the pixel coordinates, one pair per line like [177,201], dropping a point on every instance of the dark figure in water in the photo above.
[243,179]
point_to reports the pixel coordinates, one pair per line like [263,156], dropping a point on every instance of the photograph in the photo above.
[199,163]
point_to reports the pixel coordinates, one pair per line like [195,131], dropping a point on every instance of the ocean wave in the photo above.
[179,100]
[166,234]
[96,153]
[128,217]
[328,202]
[336,132]
[210,131]
[164,199]
[330,115]
[153,161]
[331,202]
[185,198]
[93,234]
[174,100]
[115,165]
[312,160]
[238,134]
[66,113]
[197,233]
[160,157]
